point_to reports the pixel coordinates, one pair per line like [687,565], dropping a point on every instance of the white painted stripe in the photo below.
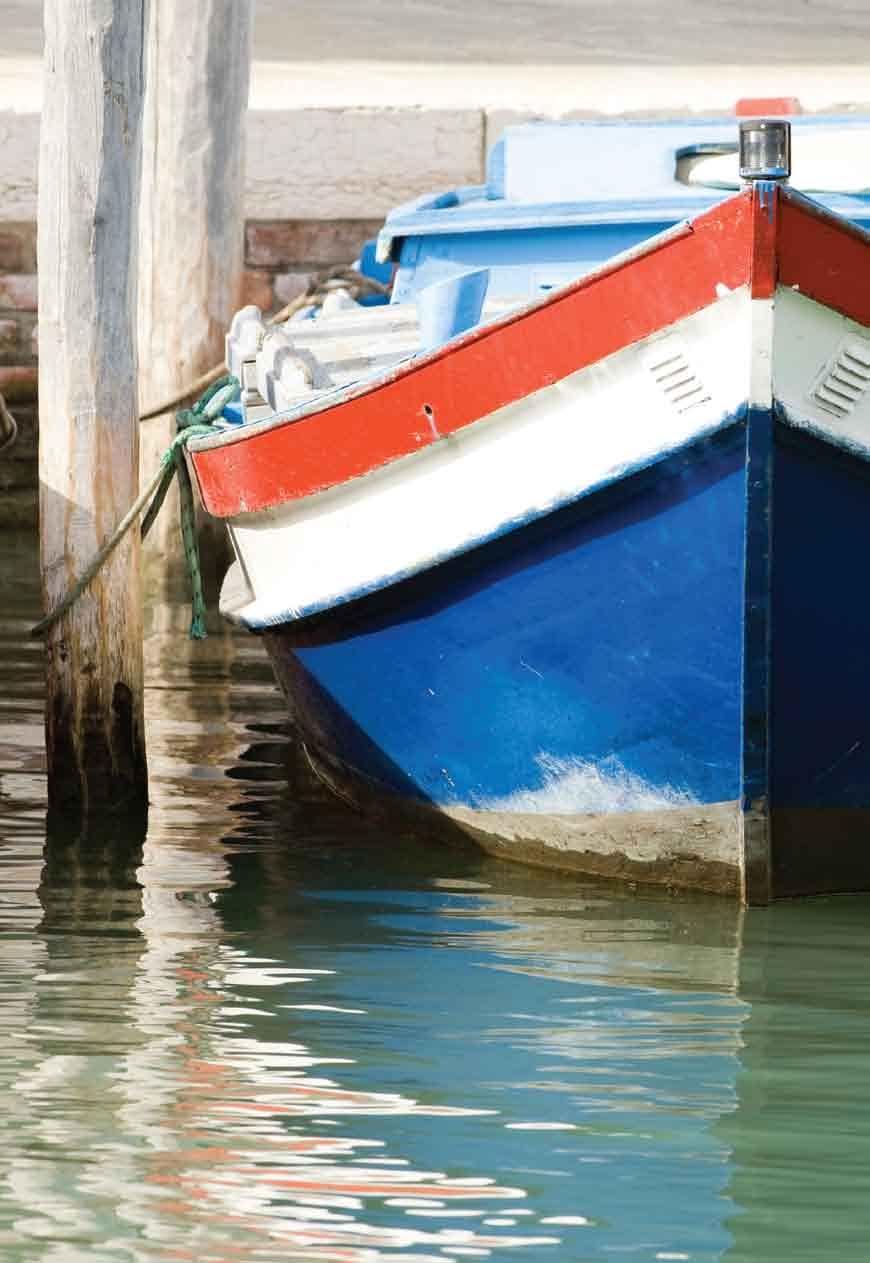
[761,363]
[812,346]
[624,412]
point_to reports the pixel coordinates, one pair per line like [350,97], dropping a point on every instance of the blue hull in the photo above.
[685,639]
[820,669]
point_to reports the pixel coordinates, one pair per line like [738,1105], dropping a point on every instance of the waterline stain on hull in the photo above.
[681,848]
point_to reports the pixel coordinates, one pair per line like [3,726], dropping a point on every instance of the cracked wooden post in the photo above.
[191,230]
[89,433]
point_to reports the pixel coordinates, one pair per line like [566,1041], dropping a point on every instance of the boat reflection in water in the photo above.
[266,1032]
[178,1101]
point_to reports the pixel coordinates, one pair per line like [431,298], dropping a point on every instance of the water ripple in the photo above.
[265,1031]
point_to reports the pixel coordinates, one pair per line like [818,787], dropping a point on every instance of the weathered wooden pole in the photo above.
[191,227]
[89,433]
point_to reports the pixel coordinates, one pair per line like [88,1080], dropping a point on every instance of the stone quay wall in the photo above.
[18,368]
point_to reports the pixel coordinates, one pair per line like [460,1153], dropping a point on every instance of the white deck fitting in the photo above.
[286,366]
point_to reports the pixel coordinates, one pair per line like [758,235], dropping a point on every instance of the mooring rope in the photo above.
[218,390]
[192,423]
[8,426]
[323,283]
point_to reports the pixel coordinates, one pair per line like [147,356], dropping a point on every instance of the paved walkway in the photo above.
[639,32]
[632,32]
[527,56]
[505,90]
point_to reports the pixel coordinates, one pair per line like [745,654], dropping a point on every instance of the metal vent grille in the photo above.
[668,364]
[846,378]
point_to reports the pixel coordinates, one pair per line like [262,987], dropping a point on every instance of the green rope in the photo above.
[190,544]
[191,423]
[210,404]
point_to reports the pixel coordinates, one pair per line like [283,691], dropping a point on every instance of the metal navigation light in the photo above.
[765,149]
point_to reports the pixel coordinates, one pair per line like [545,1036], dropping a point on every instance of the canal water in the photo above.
[265,1032]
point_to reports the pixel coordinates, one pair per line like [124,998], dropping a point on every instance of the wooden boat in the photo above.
[561,548]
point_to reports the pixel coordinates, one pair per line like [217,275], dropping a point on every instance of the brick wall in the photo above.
[281,255]
[18,369]
[280,258]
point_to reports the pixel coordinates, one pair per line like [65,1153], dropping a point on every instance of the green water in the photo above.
[265,1032]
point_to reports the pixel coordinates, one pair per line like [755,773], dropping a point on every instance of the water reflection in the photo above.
[800,1136]
[264,1032]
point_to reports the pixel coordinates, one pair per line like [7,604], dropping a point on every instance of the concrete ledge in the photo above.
[351,140]
[306,163]
[19,160]
[359,163]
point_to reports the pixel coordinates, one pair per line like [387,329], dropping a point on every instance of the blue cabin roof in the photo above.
[560,198]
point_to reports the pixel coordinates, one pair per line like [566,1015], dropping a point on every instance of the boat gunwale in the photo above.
[370,385]
[772,256]
[408,367]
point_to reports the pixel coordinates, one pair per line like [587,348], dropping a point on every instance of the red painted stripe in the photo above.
[765,229]
[492,367]
[825,257]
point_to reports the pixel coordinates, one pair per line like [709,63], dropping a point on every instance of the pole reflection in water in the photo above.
[800,1136]
[264,1031]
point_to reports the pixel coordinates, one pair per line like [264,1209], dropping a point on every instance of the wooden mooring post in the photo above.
[191,232]
[89,430]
